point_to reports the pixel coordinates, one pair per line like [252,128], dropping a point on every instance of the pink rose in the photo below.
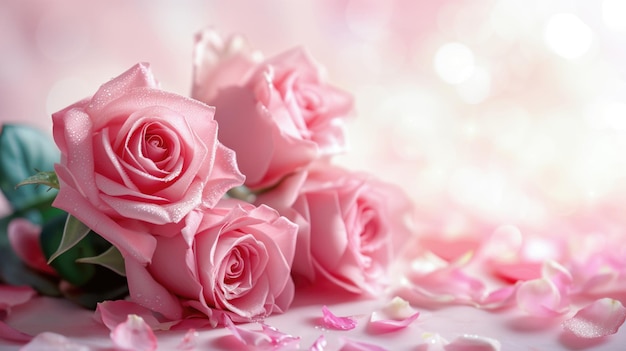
[237,262]
[279,115]
[134,156]
[350,226]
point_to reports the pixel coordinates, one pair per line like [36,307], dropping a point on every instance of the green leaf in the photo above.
[111,259]
[73,232]
[23,150]
[65,263]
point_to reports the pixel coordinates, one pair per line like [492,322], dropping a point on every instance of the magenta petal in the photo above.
[600,318]
[351,345]
[334,322]
[48,341]
[319,344]
[473,343]
[134,334]
[380,325]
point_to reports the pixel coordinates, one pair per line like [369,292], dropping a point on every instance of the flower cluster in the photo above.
[218,204]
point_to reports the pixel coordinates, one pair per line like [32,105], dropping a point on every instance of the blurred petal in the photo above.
[7,332]
[319,344]
[334,322]
[381,325]
[189,341]
[48,341]
[350,345]
[134,334]
[473,343]
[601,318]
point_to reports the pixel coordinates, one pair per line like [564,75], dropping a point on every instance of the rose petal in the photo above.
[351,345]
[332,321]
[268,336]
[48,341]
[134,334]
[24,239]
[7,332]
[14,295]
[319,344]
[113,313]
[600,318]
[189,341]
[381,325]
[469,342]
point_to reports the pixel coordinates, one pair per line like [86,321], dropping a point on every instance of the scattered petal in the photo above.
[382,325]
[14,295]
[7,332]
[600,318]
[398,308]
[134,334]
[113,313]
[332,321]
[48,341]
[189,341]
[470,342]
[268,336]
[319,344]
[351,345]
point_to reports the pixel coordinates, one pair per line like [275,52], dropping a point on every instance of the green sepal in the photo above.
[23,150]
[48,179]
[73,232]
[65,263]
[112,259]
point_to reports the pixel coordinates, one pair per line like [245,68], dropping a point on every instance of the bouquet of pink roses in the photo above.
[209,206]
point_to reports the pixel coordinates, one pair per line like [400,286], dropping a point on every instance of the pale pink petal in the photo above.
[600,318]
[14,295]
[48,341]
[189,341]
[24,239]
[113,313]
[7,332]
[473,343]
[540,298]
[266,337]
[319,344]
[332,321]
[134,334]
[382,325]
[351,345]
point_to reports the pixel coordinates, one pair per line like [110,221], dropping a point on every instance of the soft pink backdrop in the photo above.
[509,110]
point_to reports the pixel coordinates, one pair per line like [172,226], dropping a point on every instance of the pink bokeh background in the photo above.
[505,111]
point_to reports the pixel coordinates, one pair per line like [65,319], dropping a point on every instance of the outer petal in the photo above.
[145,291]
[601,318]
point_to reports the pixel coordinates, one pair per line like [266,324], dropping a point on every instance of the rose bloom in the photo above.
[278,114]
[235,260]
[135,157]
[351,226]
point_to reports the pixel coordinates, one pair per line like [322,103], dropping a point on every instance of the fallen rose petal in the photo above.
[113,313]
[189,341]
[601,318]
[319,344]
[398,308]
[469,342]
[48,341]
[7,332]
[134,334]
[332,321]
[540,298]
[351,345]
[266,337]
[14,295]
[381,325]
